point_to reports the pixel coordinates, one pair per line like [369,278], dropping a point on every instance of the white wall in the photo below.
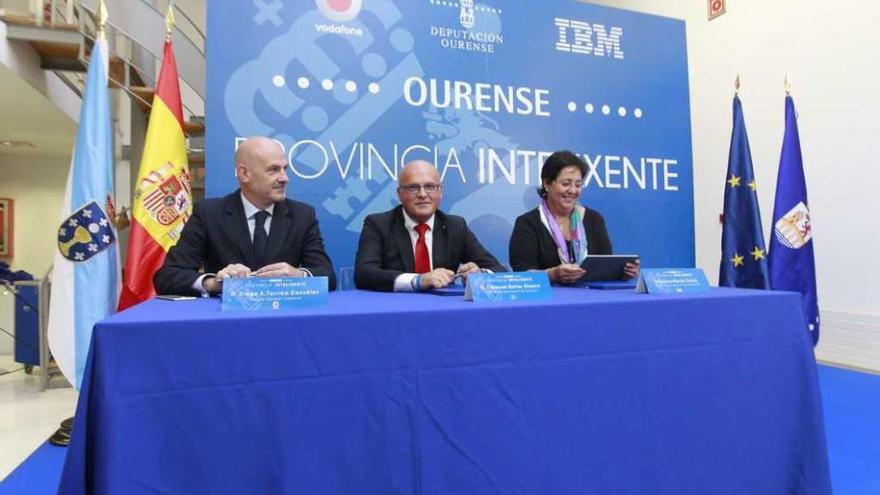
[829,51]
[36,183]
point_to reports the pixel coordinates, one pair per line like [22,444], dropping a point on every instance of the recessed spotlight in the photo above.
[8,143]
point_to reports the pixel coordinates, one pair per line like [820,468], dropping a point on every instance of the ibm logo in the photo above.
[588,39]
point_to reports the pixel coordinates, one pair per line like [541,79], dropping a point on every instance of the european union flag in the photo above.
[792,266]
[743,260]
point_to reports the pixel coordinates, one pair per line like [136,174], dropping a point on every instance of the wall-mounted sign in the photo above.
[716,8]
[353,90]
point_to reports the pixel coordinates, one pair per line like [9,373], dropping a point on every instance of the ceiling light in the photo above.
[6,143]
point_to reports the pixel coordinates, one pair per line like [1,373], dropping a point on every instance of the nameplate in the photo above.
[672,281]
[499,287]
[273,294]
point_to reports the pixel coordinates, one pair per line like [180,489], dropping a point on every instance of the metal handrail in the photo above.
[86,32]
[180,13]
[46,373]
[69,7]
[38,11]
[74,13]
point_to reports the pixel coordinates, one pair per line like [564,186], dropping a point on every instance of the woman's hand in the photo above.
[631,269]
[566,273]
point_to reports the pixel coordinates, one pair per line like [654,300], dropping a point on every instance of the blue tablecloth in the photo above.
[606,392]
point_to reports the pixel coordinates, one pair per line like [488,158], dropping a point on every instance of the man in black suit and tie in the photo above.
[415,246]
[255,231]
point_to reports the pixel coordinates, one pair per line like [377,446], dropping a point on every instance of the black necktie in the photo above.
[260,239]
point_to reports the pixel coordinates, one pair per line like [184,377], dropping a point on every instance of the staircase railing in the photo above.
[139,53]
[135,57]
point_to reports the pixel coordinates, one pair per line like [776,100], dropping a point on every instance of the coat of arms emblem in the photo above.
[794,229]
[166,196]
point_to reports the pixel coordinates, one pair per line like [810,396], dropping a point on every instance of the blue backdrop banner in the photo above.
[354,89]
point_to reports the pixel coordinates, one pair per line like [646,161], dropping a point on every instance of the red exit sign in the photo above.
[716,8]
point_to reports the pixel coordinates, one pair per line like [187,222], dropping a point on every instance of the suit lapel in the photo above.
[439,242]
[403,241]
[237,227]
[278,231]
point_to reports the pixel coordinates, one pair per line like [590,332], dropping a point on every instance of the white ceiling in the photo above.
[26,114]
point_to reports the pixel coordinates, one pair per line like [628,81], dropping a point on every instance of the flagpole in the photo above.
[169,21]
[102,19]
[61,437]
[163,179]
[743,250]
[792,259]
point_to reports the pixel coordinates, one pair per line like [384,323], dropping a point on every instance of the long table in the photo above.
[607,392]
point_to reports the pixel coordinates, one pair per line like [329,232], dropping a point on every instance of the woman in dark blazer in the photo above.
[558,234]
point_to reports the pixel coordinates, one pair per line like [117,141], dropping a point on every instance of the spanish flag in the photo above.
[162,200]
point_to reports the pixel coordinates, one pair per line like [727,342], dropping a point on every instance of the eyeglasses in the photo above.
[413,189]
[568,184]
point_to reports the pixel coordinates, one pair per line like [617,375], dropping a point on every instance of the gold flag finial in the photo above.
[787,86]
[102,19]
[736,85]
[169,20]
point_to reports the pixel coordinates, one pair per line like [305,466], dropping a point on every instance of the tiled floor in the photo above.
[27,416]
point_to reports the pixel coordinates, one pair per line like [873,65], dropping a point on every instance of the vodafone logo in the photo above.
[340,10]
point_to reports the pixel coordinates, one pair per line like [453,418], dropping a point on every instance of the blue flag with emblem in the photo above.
[792,266]
[85,274]
[743,252]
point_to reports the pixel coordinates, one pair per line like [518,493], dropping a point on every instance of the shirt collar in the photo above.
[250,210]
[410,224]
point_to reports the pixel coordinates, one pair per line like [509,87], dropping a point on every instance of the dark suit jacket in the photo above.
[532,246]
[385,249]
[217,235]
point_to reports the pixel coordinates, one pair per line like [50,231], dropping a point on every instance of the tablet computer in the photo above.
[449,290]
[613,284]
[174,297]
[605,267]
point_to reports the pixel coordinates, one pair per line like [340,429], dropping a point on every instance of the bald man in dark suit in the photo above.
[255,231]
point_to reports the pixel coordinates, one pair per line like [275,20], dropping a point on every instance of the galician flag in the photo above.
[162,200]
[85,277]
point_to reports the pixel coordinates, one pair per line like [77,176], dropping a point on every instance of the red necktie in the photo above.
[423,261]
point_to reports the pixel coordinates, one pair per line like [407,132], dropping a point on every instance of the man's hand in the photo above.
[566,273]
[436,279]
[632,269]
[214,285]
[466,269]
[281,269]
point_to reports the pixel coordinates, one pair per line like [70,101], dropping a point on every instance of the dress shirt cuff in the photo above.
[306,271]
[404,282]
[198,287]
